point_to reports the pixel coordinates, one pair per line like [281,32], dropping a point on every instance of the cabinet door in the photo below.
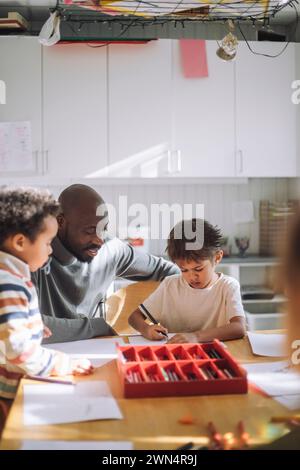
[204,117]
[139,108]
[20,69]
[265,114]
[75,109]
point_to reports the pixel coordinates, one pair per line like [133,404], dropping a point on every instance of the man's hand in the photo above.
[184,338]
[81,367]
[154,332]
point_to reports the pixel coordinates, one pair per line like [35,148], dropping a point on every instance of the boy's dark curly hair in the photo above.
[177,247]
[23,210]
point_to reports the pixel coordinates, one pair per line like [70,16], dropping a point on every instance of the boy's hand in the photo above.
[155,332]
[46,332]
[81,367]
[184,338]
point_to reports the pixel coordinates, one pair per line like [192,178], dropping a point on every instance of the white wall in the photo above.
[217,198]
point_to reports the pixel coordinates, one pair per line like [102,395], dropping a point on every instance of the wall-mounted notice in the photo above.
[16,147]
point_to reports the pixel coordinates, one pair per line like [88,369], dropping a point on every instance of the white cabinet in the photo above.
[204,117]
[265,114]
[140,112]
[20,69]
[125,109]
[75,110]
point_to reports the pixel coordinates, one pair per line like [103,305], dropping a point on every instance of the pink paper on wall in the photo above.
[193,58]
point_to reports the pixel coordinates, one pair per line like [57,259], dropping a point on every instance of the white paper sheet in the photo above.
[274,378]
[76,445]
[271,345]
[139,340]
[54,404]
[100,351]
[292,402]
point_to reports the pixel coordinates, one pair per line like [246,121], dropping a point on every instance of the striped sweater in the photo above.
[21,329]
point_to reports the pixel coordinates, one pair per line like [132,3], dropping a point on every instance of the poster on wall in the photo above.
[16,147]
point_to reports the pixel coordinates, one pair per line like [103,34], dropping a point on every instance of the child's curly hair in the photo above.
[23,210]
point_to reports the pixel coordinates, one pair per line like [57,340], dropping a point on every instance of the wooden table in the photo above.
[152,423]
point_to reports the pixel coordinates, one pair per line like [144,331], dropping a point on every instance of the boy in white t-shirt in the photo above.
[199,304]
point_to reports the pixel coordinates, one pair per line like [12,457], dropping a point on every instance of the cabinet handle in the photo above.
[35,154]
[240,162]
[174,161]
[45,162]
[39,157]
[178,161]
[169,155]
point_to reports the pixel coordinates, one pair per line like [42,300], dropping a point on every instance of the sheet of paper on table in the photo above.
[55,403]
[278,380]
[100,351]
[292,402]
[139,340]
[270,345]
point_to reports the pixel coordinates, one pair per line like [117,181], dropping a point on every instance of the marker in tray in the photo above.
[173,377]
[191,376]
[153,378]
[169,375]
[228,373]
[213,354]
[134,377]
[165,375]
[209,373]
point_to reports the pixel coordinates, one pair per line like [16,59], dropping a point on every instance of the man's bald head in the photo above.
[82,216]
[79,197]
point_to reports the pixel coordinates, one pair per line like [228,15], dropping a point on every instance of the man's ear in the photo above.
[218,256]
[60,220]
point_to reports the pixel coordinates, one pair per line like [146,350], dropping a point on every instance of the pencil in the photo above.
[187,446]
[151,318]
[49,380]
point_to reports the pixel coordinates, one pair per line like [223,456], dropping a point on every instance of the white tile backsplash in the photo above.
[217,200]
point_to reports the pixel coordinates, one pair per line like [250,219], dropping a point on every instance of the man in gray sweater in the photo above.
[83,265]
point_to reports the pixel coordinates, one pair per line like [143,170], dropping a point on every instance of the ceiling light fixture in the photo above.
[228,47]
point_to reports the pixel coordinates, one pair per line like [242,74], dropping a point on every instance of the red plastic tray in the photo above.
[179,369]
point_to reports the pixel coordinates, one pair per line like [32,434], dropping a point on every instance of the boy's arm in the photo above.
[21,334]
[152,332]
[234,330]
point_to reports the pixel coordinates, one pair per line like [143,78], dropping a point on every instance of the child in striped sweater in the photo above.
[27,226]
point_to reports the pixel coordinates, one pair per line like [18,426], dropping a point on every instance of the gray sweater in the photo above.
[72,294]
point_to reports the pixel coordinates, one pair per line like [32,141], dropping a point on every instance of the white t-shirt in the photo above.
[181,308]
